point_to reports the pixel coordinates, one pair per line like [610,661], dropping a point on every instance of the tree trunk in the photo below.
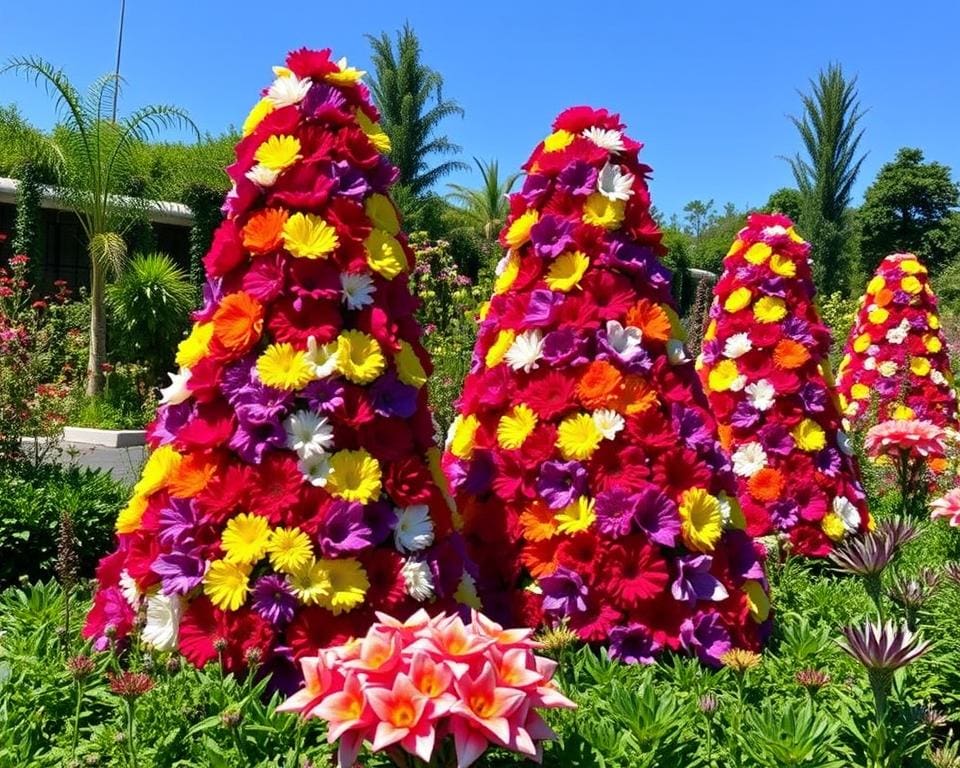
[98,329]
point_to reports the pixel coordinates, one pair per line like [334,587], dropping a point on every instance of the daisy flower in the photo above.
[308,433]
[608,139]
[357,289]
[414,529]
[287,90]
[417,580]
[749,459]
[614,184]
[608,422]
[315,468]
[737,345]
[525,351]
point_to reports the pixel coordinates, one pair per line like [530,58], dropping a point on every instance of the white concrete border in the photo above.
[109,438]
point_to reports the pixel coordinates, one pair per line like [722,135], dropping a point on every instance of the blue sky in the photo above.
[706,86]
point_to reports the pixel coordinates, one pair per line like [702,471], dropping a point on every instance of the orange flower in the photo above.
[192,477]
[263,232]
[599,384]
[725,433]
[766,485]
[651,319]
[238,322]
[884,296]
[538,557]
[790,354]
[635,396]
[538,522]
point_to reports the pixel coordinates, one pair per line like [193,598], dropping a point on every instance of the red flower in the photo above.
[551,394]
[387,590]
[276,486]
[207,633]
[633,571]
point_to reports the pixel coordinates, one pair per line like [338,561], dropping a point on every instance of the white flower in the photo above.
[308,433]
[525,351]
[623,339]
[898,334]
[738,383]
[613,183]
[288,89]
[737,345]
[129,588]
[870,364]
[843,442]
[262,176]
[358,289]
[323,357]
[315,468]
[887,368]
[726,508]
[847,512]
[937,377]
[163,621]
[417,579]
[677,352]
[775,231]
[608,422]
[414,529]
[502,264]
[749,459]
[178,391]
[761,395]
[605,138]
[347,69]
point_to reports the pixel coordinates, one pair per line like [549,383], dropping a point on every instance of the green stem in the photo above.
[709,743]
[132,732]
[76,723]
[66,621]
[235,735]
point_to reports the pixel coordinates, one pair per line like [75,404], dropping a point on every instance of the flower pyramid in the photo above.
[293,486]
[764,366]
[895,364]
[584,459]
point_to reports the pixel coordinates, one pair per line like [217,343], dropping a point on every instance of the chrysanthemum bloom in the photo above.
[895,364]
[947,508]
[763,363]
[294,486]
[584,459]
[911,447]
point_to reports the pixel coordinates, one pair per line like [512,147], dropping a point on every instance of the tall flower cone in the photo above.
[895,364]
[765,369]
[293,486]
[584,459]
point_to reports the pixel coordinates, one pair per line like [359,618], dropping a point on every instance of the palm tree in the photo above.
[831,137]
[409,96]
[485,207]
[91,156]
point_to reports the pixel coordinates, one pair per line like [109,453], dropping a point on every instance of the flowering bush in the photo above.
[895,362]
[584,457]
[765,368]
[294,486]
[408,686]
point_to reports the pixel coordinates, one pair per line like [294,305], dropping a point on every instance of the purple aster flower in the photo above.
[616,512]
[445,561]
[237,377]
[178,522]
[564,347]
[775,439]
[918,321]
[695,582]
[534,188]
[562,482]
[391,397]
[250,441]
[784,514]
[633,360]
[320,98]
[324,395]
[344,529]
[705,636]
[798,329]
[274,600]
[551,236]
[564,594]
[179,572]
[774,286]
[901,297]
[711,351]
[349,180]
[656,515]
[170,420]
[827,461]
[744,416]
[813,396]
[540,310]
[578,178]
[633,644]
[690,427]
[742,559]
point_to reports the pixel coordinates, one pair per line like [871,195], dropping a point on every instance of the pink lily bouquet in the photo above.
[407,686]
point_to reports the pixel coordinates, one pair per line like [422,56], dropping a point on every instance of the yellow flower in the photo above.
[519,230]
[792,234]
[859,391]
[833,526]
[354,476]
[309,237]
[346,75]
[382,213]
[711,333]
[912,267]
[933,344]
[289,549]
[576,517]
[876,284]
[499,348]
[260,110]
[557,140]
[603,212]
[511,268]
[737,245]
[758,601]
[578,436]
[809,436]
[723,375]
[385,254]
[227,584]
[463,432]
[861,343]
[910,284]
[160,467]
[278,152]
[245,538]
[878,315]
[567,270]
[919,366]
[516,426]
[483,311]
[701,523]
[933,322]
[373,131]
[902,412]
[311,583]
[409,368]
[348,584]
[738,299]
[194,348]
[783,266]
[283,367]
[769,309]
[359,357]
[128,521]
[758,253]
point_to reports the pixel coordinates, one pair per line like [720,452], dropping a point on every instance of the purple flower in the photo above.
[774,286]
[534,188]
[705,636]
[540,310]
[616,512]
[578,178]
[656,515]
[551,236]
[382,175]
[742,560]
[475,476]
[633,360]
[639,261]
[784,514]
[564,347]
[744,416]
[633,644]
[391,397]
[237,377]
[170,420]
[178,522]
[827,461]
[381,518]
[695,582]
[564,594]
[250,441]
[180,572]
[798,329]
[324,395]
[344,529]
[813,396]
[886,387]
[775,439]
[212,294]
[690,427]
[274,600]
[320,98]
[349,180]
[562,482]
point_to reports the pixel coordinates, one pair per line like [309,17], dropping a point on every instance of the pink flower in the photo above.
[947,507]
[317,682]
[454,643]
[349,717]
[917,438]
[402,713]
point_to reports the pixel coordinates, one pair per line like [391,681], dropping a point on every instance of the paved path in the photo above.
[123,463]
